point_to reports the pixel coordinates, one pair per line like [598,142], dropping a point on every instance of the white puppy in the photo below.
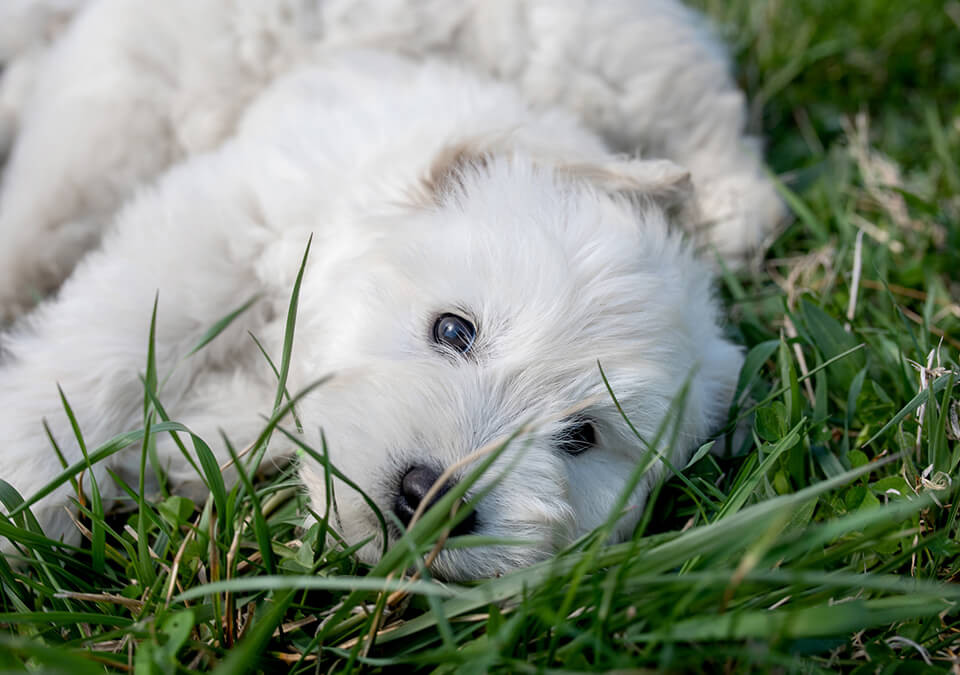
[477,250]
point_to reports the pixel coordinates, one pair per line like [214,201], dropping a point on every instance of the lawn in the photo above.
[824,540]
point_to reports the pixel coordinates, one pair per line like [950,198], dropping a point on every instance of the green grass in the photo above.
[828,544]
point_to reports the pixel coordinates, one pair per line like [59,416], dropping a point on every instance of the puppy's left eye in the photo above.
[454,332]
[577,438]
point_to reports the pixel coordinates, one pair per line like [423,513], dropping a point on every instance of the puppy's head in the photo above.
[486,310]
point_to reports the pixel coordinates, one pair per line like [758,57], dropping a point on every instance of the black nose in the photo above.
[414,485]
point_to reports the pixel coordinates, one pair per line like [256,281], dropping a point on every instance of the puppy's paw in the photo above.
[739,215]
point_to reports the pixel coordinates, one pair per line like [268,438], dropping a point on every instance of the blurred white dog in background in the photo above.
[483,236]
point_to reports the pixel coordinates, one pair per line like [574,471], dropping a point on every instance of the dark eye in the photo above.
[577,438]
[454,332]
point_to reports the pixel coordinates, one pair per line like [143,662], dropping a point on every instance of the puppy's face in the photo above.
[453,326]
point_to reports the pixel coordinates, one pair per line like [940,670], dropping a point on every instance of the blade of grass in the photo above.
[247,654]
[260,528]
[98,539]
[222,324]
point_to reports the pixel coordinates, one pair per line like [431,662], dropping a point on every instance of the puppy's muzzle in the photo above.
[413,487]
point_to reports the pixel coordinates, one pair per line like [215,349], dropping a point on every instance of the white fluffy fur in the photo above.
[428,188]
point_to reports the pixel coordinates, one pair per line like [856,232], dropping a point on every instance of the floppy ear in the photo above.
[448,168]
[658,180]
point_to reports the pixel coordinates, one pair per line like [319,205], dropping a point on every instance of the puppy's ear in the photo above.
[657,180]
[447,171]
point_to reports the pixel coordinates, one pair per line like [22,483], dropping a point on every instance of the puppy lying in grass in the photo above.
[479,246]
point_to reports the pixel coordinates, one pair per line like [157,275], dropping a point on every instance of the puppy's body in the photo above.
[429,190]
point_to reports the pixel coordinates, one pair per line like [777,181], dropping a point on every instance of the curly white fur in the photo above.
[430,187]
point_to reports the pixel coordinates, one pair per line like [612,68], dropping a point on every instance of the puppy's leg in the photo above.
[92,341]
[232,404]
[652,79]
